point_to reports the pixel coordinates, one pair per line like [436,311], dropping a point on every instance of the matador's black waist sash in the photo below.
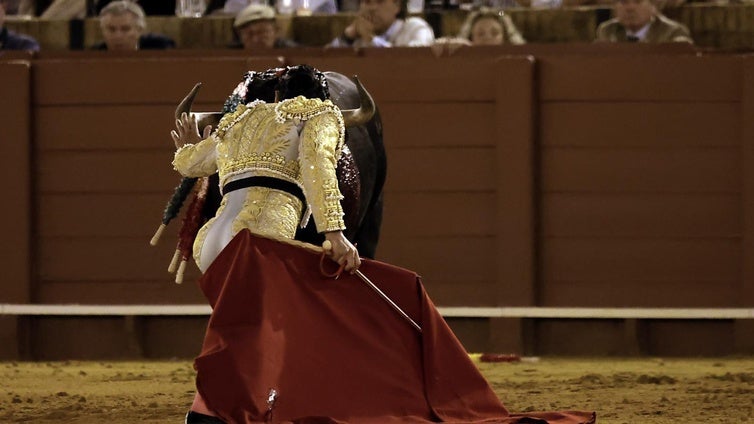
[268,182]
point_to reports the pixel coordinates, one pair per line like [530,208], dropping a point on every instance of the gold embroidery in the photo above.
[196,160]
[302,109]
[319,155]
[269,212]
[297,140]
[265,211]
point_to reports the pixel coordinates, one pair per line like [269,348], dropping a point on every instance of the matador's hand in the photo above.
[342,251]
[187,131]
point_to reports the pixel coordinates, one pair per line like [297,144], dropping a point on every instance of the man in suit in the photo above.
[639,21]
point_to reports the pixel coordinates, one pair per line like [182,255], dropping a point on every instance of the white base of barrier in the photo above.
[448,312]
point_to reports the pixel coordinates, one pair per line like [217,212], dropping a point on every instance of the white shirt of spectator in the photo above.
[641,33]
[549,4]
[413,32]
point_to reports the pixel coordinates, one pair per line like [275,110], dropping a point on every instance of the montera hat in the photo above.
[253,13]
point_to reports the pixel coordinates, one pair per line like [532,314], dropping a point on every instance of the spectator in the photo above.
[257,29]
[233,7]
[10,40]
[485,27]
[383,23]
[639,21]
[123,27]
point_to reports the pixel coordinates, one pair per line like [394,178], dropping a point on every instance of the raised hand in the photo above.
[187,131]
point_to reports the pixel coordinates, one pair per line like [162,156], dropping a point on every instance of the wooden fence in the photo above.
[543,180]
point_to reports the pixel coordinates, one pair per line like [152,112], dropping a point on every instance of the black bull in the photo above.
[361,172]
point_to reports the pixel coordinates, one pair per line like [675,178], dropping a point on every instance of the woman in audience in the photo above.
[485,27]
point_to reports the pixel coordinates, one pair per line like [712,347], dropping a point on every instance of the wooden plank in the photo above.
[16,55]
[162,291]
[58,338]
[514,180]
[578,337]
[320,30]
[121,80]
[15,149]
[747,183]
[641,215]
[133,259]
[700,338]
[107,127]
[639,124]
[80,215]
[640,78]
[414,77]
[463,259]
[619,292]
[673,170]
[106,172]
[440,214]
[171,337]
[442,124]
[461,292]
[106,259]
[641,260]
[440,169]
[539,49]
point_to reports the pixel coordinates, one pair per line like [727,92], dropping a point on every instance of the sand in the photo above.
[644,391]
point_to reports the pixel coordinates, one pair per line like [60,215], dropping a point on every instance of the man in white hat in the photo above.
[257,29]
[233,7]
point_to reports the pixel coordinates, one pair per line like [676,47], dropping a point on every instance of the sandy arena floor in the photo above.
[643,391]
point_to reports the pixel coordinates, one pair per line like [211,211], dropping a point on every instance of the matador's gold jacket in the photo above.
[297,140]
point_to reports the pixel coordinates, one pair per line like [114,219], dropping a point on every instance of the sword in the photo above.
[326,246]
[389,301]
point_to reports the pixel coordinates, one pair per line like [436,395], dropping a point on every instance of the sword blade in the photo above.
[389,301]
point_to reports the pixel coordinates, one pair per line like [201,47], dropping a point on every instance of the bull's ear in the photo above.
[365,112]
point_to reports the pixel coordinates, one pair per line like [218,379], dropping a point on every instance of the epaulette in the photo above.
[301,108]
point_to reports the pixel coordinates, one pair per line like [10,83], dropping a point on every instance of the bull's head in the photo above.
[351,117]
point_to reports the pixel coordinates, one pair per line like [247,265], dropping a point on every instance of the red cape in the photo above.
[333,350]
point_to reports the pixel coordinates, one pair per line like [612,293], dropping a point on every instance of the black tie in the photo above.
[632,38]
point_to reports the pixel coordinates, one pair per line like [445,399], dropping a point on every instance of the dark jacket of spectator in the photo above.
[660,30]
[10,40]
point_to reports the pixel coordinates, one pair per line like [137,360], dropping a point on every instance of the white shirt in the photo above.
[641,33]
[413,32]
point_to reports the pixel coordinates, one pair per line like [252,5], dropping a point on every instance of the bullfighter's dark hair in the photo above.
[302,80]
[254,86]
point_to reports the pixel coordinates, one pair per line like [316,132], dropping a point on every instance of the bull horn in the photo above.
[365,112]
[202,118]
